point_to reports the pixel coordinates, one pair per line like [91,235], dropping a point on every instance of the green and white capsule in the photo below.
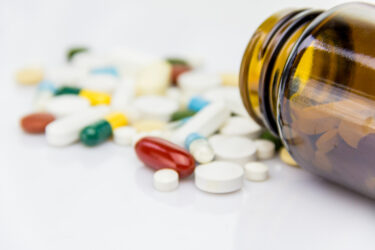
[102,130]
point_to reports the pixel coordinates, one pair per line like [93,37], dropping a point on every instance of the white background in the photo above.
[102,198]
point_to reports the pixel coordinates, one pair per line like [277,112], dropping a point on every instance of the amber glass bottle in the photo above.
[309,77]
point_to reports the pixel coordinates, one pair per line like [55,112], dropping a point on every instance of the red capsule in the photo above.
[158,153]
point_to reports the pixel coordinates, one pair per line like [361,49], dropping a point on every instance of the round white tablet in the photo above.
[265,149]
[165,180]
[155,107]
[256,171]
[124,135]
[241,126]
[233,148]
[219,177]
[197,82]
[66,105]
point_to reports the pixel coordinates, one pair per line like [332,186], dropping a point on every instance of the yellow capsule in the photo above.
[96,98]
[149,125]
[116,120]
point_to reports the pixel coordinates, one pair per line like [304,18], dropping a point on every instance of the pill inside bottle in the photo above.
[309,77]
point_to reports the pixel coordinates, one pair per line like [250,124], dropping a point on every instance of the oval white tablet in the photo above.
[65,131]
[233,148]
[256,171]
[241,126]
[165,180]
[197,82]
[155,107]
[124,135]
[219,177]
[265,149]
[64,105]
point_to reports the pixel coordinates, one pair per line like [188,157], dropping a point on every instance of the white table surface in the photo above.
[102,198]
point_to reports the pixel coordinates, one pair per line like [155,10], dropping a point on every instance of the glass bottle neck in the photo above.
[264,62]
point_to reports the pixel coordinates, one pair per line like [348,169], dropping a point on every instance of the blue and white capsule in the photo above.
[45,91]
[196,103]
[199,147]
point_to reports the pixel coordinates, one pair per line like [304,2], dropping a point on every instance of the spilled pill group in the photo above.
[180,120]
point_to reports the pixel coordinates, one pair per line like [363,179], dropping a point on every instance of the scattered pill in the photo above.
[100,82]
[205,122]
[158,153]
[45,92]
[155,107]
[266,135]
[165,180]
[230,79]
[199,147]
[233,148]
[109,70]
[174,94]
[287,158]
[65,131]
[229,95]
[197,82]
[74,51]
[154,79]
[29,76]
[124,135]
[219,177]
[177,70]
[177,61]
[181,114]
[65,75]
[36,123]
[95,98]
[265,149]
[197,103]
[256,171]
[148,125]
[102,130]
[241,126]
[64,105]
[123,95]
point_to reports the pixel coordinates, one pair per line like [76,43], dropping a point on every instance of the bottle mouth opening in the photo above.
[258,63]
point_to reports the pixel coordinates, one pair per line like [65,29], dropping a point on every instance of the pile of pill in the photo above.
[179,119]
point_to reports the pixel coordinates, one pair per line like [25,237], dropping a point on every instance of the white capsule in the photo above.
[195,82]
[165,180]
[100,82]
[65,131]
[241,126]
[155,107]
[154,79]
[265,149]
[64,105]
[233,148]
[201,151]
[205,122]
[256,171]
[174,93]
[124,135]
[219,177]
